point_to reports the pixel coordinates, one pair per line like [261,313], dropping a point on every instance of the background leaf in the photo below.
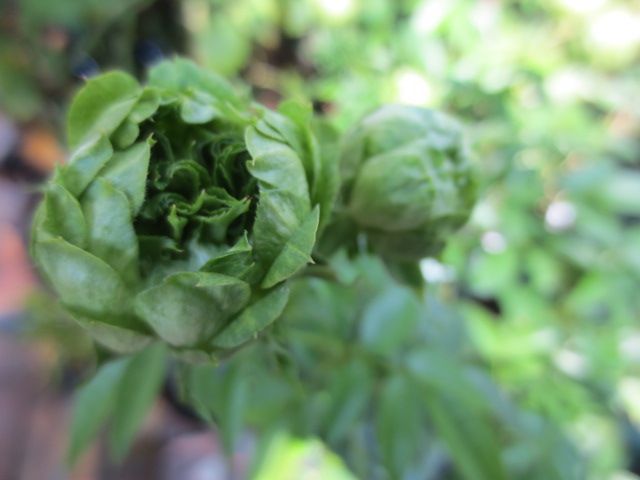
[136,392]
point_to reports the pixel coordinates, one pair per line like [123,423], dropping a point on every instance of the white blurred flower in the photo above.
[336,9]
[616,29]
[485,215]
[629,395]
[435,272]
[560,215]
[493,242]
[567,85]
[582,6]
[545,339]
[430,15]
[629,346]
[412,88]
[570,362]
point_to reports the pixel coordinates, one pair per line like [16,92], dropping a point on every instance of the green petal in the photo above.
[147,105]
[396,191]
[235,262]
[101,106]
[110,228]
[296,253]
[127,171]
[125,134]
[187,308]
[284,196]
[198,109]
[62,216]
[180,74]
[329,181]
[85,164]
[253,319]
[296,129]
[83,281]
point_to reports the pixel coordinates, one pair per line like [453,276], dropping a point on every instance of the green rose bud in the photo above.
[407,180]
[183,210]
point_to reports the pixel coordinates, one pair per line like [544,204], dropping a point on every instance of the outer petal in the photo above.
[101,106]
[296,253]
[284,195]
[253,319]
[187,308]
[84,282]
[110,229]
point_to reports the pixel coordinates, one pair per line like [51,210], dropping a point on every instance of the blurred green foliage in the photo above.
[522,360]
[389,381]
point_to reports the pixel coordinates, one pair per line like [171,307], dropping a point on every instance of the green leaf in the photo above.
[390,321]
[137,391]
[232,406]
[253,319]
[85,163]
[459,414]
[83,281]
[62,216]
[93,403]
[400,426]
[188,307]
[101,106]
[110,228]
[296,253]
[127,171]
[350,391]
[221,397]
